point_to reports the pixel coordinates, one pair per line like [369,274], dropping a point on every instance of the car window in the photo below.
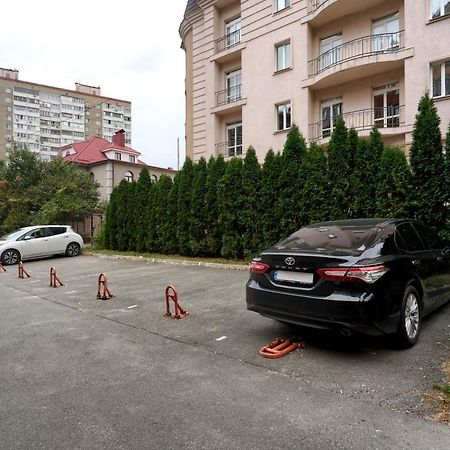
[46,232]
[429,237]
[407,238]
[57,230]
[33,234]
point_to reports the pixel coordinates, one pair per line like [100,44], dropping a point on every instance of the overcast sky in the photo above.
[129,48]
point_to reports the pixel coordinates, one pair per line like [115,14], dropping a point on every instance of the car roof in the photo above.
[368,222]
[32,227]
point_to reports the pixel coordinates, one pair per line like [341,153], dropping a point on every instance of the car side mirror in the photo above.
[27,238]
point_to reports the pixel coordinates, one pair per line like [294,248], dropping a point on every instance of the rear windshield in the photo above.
[345,240]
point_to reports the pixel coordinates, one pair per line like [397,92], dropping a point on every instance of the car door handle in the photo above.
[416,262]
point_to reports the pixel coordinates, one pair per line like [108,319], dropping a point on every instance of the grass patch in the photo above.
[440,398]
[240,262]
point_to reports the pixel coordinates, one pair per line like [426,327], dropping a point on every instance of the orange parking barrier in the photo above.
[172,294]
[22,271]
[103,286]
[54,280]
[2,269]
[280,347]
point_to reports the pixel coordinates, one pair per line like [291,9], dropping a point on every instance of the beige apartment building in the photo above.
[254,67]
[45,118]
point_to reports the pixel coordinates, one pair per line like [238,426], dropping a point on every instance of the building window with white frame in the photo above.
[283,54]
[386,106]
[132,159]
[440,77]
[128,176]
[386,33]
[282,4]
[439,8]
[233,32]
[234,139]
[284,116]
[118,156]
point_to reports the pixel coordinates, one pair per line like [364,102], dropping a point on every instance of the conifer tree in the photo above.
[394,184]
[361,197]
[373,160]
[251,206]
[170,228]
[184,207]
[315,191]
[215,172]
[124,207]
[270,193]
[339,172]
[131,217]
[351,155]
[110,226]
[230,202]
[427,165]
[143,192]
[160,197]
[291,186]
[198,223]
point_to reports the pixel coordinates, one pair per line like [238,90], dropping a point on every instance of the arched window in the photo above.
[68,153]
[154,178]
[129,176]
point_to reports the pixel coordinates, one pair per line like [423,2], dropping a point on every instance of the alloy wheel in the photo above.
[412,316]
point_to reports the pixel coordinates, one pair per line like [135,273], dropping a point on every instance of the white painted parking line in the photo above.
[131,307]
[71,292]
[221,338]
[35,281]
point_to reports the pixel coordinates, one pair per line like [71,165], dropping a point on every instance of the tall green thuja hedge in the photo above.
[373,160]
[315,190]
[230,203]
[427,164]
[215,172]
[125,197]
[269,219]
[291,186]
[251,204]
[339,172]
[394,184]
[198,213]
[161,222]
[170,232]
[361,195]
[142,198]
[111,219]
[184,207]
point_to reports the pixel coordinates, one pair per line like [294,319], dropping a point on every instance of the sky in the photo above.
[131,49]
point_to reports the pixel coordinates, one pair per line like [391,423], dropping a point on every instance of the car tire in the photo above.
[10,257]
[410,318]
[73,249]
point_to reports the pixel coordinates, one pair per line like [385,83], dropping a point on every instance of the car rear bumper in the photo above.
[343,310]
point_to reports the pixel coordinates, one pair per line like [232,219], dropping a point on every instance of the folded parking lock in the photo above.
[2,269]
[22,272]
[54,280]
[280,347]
[103,292]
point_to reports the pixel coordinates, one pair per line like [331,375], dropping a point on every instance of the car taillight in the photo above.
[258,267]
[354,274]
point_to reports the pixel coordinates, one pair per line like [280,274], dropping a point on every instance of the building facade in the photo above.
[254,67]
[45,118]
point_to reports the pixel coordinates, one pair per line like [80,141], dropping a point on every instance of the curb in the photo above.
[185,263]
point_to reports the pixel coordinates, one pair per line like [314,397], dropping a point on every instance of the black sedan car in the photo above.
[375,276]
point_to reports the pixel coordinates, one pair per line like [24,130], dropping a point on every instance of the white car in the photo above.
[39,241]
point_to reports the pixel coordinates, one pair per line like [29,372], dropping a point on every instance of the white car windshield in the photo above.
[13,235]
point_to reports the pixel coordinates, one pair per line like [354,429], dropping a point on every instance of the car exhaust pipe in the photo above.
[346,332]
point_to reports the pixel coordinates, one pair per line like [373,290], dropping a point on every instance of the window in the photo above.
[330,111]
[234,82]
[386,106]
[128,176]
[283,116]
[440,76]
[234,139]
[386,33]
[118,156]
[330,51]
[407,238]
[283,55]
[132,159]
[233,32]
[439,8]
[282,4]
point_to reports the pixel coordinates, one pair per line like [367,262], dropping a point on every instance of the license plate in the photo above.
[296,277]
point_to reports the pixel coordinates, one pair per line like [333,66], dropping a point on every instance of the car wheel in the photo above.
[73,249]
[410,318]
[10,257]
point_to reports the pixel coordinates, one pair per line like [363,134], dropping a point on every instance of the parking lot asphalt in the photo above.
[78,372]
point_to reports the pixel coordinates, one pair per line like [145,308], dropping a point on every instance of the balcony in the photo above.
[229,100]
[229,149]
[358,58]
[390,119]
[228,47]
[321,12]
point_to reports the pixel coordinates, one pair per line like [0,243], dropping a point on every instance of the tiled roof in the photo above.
[191,6]
[93,151]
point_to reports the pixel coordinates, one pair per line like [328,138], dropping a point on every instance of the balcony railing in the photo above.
[314,5]
[230,95]
[228,41]
[365,46]
[363,119]
[229,149]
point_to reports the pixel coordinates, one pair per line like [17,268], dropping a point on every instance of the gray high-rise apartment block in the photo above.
[45,118]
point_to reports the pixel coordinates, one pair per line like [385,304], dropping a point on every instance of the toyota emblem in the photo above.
[290,261]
